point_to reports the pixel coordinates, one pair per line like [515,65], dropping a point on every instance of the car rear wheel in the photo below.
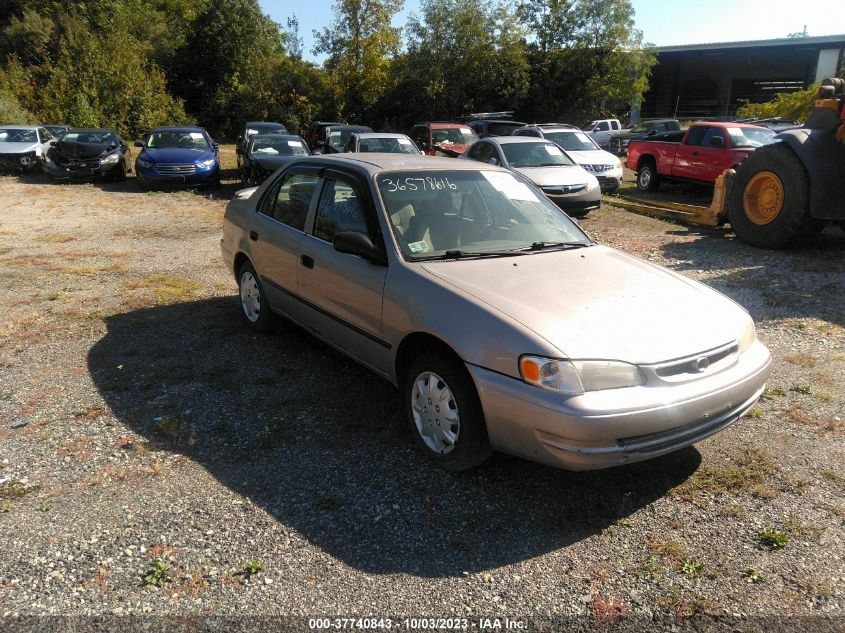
[769,200]
[647,177]
[444,412]
[254,306]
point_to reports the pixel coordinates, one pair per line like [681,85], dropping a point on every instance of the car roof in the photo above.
[281,137]
[442,125]
[350,126]
[178,128]
[264,123]
[727,124]
[506,121]
[380,135]
[377,162]
[504,140]
[92,129]
[20,127]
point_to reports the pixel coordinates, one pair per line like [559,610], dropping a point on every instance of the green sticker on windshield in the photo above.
[419,247]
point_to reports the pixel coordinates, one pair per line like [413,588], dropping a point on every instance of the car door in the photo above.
[342,293]
[707,162]
[687,152]
[276,233]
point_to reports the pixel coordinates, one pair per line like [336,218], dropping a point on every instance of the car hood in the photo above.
[552,176]
[452,149]
[81,150]
[597,157]
[176,154]
[17,148]
[272,163]
[600,303]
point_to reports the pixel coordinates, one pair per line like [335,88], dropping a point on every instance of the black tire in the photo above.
[472,446]
[793,224]
[121,172]
[266,320]
[647,177]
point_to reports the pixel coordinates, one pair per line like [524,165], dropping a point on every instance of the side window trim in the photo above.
[362,192]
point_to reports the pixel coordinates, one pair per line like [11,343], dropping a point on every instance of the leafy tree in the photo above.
[359,44]
[791,106]
[463,55]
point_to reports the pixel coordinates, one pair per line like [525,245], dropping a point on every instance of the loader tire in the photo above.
[769,200]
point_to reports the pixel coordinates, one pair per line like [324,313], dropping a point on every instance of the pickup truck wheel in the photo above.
[768,203]
[444,412]
[647,177]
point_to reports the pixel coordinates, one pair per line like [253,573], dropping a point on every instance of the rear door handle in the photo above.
[253,235]
[306,261]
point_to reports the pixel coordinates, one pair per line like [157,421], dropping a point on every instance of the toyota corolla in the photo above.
[504,326]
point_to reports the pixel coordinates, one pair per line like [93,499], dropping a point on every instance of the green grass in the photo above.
[774,539]
[157,574]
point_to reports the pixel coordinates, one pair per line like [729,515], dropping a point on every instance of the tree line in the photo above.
[134,64]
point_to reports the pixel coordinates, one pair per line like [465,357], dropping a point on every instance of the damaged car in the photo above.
[89,153]
[23,148]
[265,153]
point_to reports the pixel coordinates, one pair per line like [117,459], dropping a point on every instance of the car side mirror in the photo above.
[139,143]
[492,161]
[717,141]
[355,243]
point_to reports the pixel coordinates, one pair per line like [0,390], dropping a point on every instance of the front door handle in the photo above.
[253,235]
[306,261]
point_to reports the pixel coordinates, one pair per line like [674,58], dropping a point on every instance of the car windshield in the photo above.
[387,144]
[478,212]
[535,154]
[267,128]
[188,140]
[12,135]
[750,136]
[573,141]
[453,136]
[643,127]
[278,147]
[339,137]
[95,138]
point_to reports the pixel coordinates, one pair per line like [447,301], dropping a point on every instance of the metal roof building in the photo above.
[712,80]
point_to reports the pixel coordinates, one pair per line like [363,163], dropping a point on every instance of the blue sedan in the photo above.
[178,156]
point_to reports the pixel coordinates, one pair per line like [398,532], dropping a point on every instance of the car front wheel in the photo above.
[444,413]
[254,306]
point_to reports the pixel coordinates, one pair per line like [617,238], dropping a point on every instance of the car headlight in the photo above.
[111,159]
[618,164]
[146,164]
[591,186]
[205,164]
[748,336]
[574,377]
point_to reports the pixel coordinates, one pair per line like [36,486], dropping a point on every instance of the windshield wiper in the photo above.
[541,246]
[458,254]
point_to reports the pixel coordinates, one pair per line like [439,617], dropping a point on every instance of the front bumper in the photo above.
[17,163]
[608,428]
[575,203]
[82,169]
[149,176]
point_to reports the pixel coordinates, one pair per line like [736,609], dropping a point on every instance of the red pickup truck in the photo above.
[700,154]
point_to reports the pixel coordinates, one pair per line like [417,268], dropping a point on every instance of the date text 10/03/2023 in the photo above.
[417,624]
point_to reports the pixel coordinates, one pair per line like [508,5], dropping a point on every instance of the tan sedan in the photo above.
[503,325]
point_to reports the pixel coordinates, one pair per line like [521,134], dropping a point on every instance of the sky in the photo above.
[663,22]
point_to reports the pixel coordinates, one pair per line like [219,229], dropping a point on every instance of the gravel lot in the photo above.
[143,428]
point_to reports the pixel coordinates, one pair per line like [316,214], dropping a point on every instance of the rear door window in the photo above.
[289,199]
[339,210]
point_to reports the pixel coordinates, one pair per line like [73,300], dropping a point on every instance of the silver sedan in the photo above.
[503,325]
